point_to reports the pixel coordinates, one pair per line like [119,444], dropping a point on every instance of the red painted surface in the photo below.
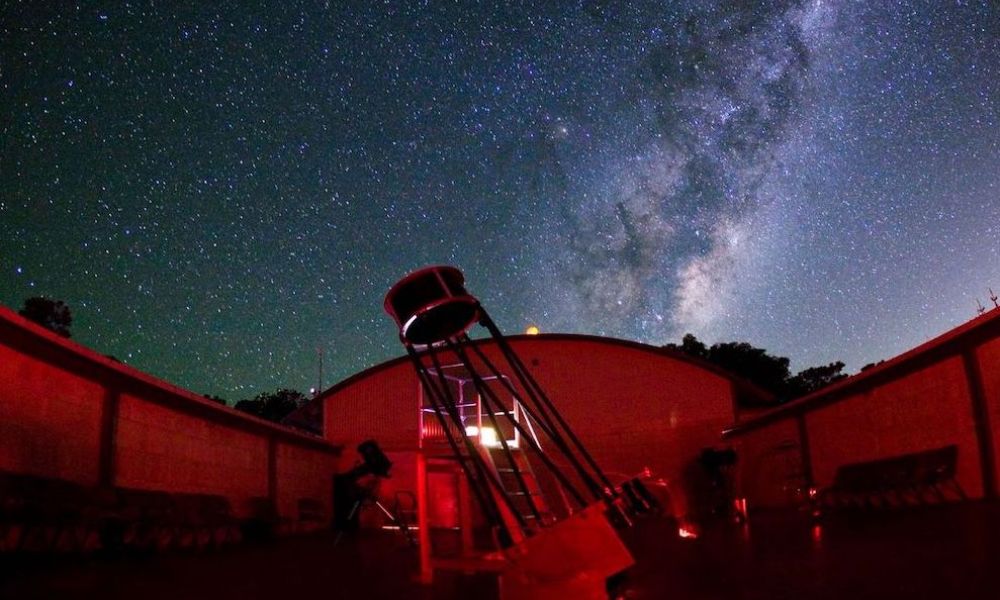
[49,419]
[926,409]
[988,355]
[303,473]
[160,448]
[382,407]
[53,392]
[770,471]
[633,406]
[920,400]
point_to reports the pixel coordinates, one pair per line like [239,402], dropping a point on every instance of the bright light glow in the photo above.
[685,532]
[488,437]
[532,330]
[740,505]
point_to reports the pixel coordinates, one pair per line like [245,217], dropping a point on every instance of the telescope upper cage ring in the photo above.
[431,305]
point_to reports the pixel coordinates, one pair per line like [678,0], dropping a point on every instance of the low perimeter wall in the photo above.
[69,413]
[944,392]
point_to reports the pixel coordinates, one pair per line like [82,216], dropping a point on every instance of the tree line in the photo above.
[766,371]
[273,406]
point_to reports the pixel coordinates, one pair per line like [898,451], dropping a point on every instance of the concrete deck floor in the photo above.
[937,552]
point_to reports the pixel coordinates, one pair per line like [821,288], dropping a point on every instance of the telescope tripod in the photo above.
[368,495]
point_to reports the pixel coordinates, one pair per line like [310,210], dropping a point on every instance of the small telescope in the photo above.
[349,490]
[373,461]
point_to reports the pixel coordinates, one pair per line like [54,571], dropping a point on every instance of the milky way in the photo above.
[218,190]
[654,243]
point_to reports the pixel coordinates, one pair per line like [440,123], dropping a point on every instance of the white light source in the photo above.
[488,437]
[471,431]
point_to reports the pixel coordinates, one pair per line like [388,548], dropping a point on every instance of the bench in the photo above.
[41,514]
[203,520]
[146,519]
[910,479]
[49,515]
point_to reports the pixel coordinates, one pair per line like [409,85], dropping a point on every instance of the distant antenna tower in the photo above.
[993,297]
[319,383]
[980,309]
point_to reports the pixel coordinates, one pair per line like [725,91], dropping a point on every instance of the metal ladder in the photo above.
[530,502]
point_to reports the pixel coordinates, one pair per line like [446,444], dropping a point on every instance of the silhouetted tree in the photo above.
[691,345]
[756,365]
[215,399]
[50,314]
[273,406]
[752,363]
[809,380]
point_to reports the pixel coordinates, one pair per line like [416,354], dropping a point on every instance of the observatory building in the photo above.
[640,410]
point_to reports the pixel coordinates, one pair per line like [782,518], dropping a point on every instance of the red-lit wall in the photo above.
[50,420]
[68,413]
[770,466]
[633,406]
[944,392]
[988,359]
[926,409]
[382,406]
[302,472]
[161,448]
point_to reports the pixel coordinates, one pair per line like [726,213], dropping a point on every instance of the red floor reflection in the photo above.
[938,552]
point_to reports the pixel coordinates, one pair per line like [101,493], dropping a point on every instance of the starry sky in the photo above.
[218,189]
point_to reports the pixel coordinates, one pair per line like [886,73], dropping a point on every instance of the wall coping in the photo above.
[29,337]
[951,343]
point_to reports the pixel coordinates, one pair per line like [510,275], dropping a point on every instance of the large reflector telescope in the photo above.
[517,485]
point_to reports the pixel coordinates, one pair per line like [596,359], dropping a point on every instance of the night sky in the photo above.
[217,189]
